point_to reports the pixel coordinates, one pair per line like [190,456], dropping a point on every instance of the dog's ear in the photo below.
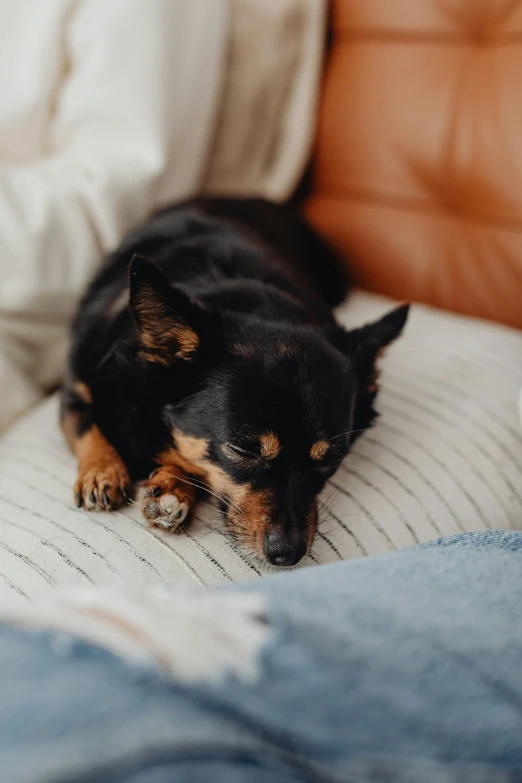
[365,345]
[168,324]
[362,347]
[368,342]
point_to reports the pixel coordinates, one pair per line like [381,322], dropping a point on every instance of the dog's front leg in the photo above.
[103,482]
[168,498]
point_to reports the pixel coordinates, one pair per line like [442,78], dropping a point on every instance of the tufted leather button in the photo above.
[418,165]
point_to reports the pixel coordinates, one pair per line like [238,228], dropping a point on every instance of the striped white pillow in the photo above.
[444,457]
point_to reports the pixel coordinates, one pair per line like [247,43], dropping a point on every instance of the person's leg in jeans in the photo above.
[406,667]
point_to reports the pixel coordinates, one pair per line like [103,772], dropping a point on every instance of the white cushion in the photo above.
[444,457]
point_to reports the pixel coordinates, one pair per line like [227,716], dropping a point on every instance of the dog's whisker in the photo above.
[206,488]
[329,531]
[203,485]
[210,492]
[324,505]
[348,432]
[226,498]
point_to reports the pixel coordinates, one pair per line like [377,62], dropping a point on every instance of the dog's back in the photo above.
[204,242]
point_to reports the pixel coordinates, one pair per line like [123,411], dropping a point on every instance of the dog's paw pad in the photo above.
[165,503]
[103,487]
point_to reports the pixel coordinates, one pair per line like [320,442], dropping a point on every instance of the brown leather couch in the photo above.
[418,166]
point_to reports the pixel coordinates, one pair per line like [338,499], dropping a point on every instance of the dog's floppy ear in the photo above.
[168,324]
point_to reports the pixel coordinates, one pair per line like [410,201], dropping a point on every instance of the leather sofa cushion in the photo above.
[418,167]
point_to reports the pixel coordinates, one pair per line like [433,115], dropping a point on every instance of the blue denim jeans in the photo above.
[406,667]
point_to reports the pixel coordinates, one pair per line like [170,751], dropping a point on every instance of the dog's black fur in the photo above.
[226,371]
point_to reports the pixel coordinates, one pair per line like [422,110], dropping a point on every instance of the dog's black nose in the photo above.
[283,550]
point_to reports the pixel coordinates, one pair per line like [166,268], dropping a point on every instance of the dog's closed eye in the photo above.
[237,452]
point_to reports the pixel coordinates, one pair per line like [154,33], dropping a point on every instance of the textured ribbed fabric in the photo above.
[444,457]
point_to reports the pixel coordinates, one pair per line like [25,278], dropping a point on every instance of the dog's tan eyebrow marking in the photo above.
[319,449]
[270,446]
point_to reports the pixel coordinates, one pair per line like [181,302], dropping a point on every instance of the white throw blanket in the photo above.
[110,109]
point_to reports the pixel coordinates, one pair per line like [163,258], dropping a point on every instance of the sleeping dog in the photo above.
[205,356]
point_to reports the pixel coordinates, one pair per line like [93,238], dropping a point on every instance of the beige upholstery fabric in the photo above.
[267,115]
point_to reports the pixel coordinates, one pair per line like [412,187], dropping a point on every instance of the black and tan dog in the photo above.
[219,366]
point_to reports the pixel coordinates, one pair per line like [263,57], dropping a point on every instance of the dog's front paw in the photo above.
[103,485]
[167,501]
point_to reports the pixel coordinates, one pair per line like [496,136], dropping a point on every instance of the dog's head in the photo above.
[268,410]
